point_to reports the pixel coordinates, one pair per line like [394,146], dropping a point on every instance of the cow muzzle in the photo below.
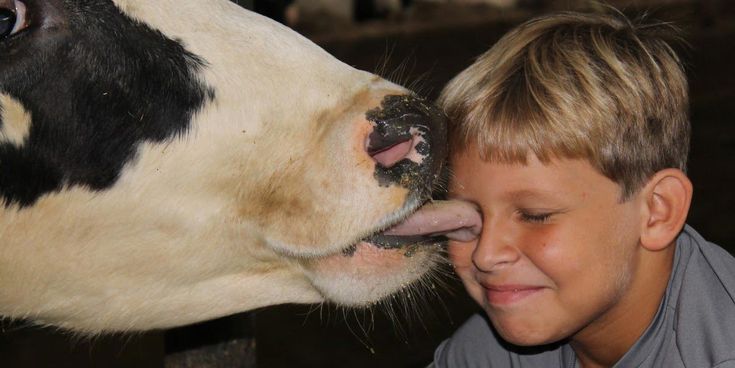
[408,143]
[409,146]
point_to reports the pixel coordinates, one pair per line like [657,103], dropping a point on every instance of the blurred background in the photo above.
[422,44]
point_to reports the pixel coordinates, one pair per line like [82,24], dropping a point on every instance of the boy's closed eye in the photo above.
[537,216]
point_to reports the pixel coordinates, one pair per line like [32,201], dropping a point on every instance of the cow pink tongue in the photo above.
[457,220]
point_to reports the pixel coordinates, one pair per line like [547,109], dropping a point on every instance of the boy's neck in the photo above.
[604,342]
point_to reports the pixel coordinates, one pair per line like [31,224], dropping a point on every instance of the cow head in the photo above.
[164,162]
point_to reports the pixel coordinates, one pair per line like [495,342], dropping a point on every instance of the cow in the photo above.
[164,162]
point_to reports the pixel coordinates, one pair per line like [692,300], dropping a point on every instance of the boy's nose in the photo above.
[495,249]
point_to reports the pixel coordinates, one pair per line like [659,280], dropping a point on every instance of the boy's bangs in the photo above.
[525,121]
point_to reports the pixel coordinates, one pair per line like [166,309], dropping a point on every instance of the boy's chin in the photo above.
[520,334]
[529,341]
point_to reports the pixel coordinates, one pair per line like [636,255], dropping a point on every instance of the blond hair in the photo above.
[573,85]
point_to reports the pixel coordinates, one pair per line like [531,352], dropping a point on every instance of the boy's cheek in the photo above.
[460,254]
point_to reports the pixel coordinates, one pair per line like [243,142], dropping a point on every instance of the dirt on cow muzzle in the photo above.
[408,142]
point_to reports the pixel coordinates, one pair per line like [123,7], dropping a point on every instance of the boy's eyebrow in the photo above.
[516,195]
[532,194]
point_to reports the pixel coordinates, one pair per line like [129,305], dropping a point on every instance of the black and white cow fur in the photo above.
[169,161]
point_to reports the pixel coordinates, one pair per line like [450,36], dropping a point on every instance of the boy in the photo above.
[571,136]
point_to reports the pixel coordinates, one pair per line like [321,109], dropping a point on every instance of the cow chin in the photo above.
[367,274]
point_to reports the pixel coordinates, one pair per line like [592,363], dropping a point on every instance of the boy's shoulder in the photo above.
[705,265]
[475,344]
[705,306]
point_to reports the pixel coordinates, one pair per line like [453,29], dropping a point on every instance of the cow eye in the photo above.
[7,22]
[12,18]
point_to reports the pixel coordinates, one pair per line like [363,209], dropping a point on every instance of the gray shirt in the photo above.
[694,326]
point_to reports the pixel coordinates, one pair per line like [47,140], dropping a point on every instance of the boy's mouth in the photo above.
[509,294]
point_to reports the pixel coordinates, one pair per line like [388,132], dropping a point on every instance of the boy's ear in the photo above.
[667,196]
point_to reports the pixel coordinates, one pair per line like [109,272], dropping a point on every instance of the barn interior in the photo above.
[422,44]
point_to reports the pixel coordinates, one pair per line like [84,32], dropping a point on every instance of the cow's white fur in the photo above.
[17,121]
[252,208]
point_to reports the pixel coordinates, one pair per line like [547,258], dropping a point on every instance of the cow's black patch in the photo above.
[96,83]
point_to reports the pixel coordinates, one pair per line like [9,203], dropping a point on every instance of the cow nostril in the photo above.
[391,155]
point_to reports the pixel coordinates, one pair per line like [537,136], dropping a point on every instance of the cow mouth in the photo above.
[433,223]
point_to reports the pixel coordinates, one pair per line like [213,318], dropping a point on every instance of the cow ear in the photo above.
[667,197]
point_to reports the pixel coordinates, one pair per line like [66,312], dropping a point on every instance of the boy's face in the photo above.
[558,249]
